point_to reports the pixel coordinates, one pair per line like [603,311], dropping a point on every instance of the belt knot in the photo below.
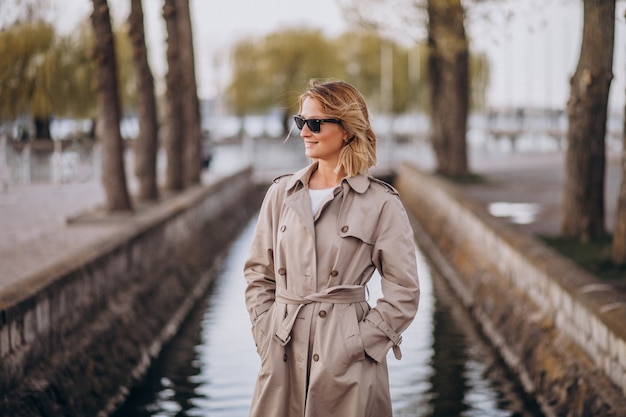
[339,294]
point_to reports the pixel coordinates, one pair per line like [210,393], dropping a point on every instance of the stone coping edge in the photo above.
[547,317]
[77,344]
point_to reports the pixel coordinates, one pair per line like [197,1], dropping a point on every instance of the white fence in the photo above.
[404,137]
[59,162]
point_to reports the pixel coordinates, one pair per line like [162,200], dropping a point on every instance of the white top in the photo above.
[318,197]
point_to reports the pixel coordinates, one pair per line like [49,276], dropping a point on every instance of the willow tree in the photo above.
[292,57]
[583,196]
[27,64]
[146,144]
[27,73]
[242,94]
[75,94]
[44,75]
[109,110]
[283,63]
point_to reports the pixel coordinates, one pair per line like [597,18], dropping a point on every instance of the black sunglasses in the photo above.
[314,124]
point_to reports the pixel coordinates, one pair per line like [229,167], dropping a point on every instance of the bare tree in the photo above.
[583,199]
[108,119]
[448,64]
[174,139]
[192,134]
[21,11]
[146,144]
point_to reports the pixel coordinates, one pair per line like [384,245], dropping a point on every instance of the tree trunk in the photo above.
[42,128]
[192,133]
[619,236]
[108,125]
[174,175]
[286,120]
[146,144]
[583,197]
[448,65]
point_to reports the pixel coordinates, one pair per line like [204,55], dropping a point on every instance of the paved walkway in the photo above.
[34,234]
[533,184]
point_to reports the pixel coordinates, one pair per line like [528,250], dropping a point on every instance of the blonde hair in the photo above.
[342,101]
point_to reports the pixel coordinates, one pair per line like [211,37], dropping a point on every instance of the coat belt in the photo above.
[340,294]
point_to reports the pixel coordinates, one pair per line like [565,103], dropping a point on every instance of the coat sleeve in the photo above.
[259,266]
[394,255]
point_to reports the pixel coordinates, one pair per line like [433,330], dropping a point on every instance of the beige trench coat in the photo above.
[322,347]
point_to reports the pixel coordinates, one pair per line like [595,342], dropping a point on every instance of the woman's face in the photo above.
[325,145]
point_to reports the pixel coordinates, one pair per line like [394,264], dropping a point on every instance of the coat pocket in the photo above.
[261,331]
[352,336]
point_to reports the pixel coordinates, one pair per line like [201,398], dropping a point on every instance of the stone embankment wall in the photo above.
[560,329]
[75,345]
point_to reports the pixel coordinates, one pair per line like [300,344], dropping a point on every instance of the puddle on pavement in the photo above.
[518,213]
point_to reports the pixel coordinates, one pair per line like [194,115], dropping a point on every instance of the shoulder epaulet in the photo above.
[278,178]
[388,187]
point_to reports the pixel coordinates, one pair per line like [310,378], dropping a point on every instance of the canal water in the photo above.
[209,369]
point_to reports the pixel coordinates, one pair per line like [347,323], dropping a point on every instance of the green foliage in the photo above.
[24,49]
[479,81]
[43,74]
[244,92]
[74,87]
[126,74]
[593,256]
[360,56]
[292,58]
[362,60]
[270,72]
[470,178]
[273,71]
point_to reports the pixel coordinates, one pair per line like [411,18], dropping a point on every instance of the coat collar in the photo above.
[358,183]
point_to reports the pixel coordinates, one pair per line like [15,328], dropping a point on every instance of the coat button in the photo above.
[282,271]
[345,229]
[322,313]
[285,357]
[334,273]
[316,357]
[283,228]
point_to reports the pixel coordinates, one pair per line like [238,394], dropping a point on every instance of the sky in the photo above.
[532,45]
[216,26]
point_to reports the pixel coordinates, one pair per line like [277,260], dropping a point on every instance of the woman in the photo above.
[321,234]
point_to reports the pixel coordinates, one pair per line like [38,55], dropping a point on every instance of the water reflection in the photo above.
[470,379]
[209,369]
